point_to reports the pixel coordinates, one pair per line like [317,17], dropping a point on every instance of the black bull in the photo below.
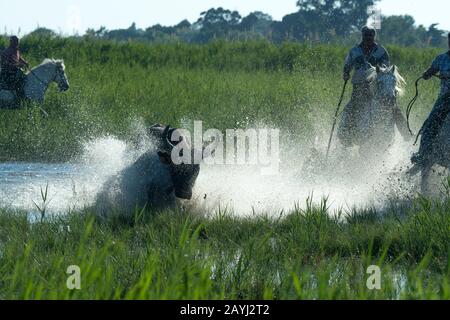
[153,180]
[183,175]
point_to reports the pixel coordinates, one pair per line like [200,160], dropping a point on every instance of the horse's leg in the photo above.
[402,124]
[345,126]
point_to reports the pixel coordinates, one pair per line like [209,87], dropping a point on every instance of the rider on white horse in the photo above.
[441,109]
[360,58]
[11,75]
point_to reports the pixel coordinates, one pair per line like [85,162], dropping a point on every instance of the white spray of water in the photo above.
[74,185]
[244,191]
[68,186]
[241,190]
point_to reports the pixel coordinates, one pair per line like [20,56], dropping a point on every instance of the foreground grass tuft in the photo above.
[171,255]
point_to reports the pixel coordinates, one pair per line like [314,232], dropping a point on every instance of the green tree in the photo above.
[300,26]
[402,30]
[100,33]
[216,23]
[256,21]
[43,33]
[435,36]
[340,17]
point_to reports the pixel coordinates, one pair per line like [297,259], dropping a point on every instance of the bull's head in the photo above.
[183,175]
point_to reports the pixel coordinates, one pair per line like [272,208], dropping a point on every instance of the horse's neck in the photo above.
[380,106]
[37,82]
[378,99]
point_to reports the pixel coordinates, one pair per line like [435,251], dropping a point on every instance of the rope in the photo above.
[411,104]
[39,79]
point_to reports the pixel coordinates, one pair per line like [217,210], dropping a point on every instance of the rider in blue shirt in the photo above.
[440,111]
[360,58]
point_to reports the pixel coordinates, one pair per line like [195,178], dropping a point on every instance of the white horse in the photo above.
[370,126]
[37,82]
[374,124]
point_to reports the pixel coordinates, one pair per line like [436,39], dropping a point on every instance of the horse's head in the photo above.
[60,75]
[389,85]
[52,70]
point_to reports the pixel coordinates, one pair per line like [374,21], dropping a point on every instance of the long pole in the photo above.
[335,118]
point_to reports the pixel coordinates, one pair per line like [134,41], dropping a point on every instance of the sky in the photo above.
[76,16]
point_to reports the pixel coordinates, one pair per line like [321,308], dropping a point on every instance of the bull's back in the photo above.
[145,183]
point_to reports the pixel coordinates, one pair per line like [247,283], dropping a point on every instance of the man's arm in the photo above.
[434,69]
[385,59]
[23,62]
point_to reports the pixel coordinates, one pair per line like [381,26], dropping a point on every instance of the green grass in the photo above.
[226,85]
[174,255]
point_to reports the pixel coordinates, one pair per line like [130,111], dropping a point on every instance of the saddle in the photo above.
[5,84]
[8,85]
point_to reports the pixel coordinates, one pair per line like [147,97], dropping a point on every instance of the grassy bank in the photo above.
[227,85]
[306,254]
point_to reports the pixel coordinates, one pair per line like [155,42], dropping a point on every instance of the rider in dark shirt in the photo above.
[11,63]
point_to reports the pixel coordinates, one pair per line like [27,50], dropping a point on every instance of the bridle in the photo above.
[42,81]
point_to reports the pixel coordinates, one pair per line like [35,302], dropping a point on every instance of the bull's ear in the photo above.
[164,157]
[378,69]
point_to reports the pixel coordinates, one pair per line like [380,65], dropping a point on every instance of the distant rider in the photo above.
[11,63]
[441,109]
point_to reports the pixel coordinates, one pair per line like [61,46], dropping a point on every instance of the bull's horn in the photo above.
[156,125]
[166,137]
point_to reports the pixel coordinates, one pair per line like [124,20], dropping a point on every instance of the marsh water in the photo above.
[241,190]
[65,186]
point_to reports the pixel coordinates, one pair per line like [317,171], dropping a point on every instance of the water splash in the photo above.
[242,190]
[71,185]
[345,183]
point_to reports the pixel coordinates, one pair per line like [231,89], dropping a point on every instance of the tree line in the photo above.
[317,21]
